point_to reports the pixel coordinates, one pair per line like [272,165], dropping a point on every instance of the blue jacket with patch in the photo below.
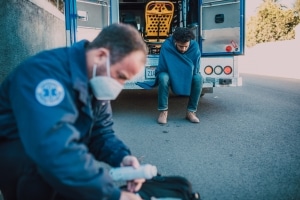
[47,104]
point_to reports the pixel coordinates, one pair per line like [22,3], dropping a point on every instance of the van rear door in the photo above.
[222,27]
[92,17]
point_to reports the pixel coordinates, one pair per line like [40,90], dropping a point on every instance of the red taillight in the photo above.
[227,70]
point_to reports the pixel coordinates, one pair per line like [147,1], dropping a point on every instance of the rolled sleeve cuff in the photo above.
[119,158]
[116,194]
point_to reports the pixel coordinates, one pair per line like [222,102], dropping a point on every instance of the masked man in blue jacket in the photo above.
[56,119]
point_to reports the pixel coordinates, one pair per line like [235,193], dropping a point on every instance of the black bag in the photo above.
[176,187]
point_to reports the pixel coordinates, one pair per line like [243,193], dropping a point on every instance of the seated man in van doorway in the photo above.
[178,69]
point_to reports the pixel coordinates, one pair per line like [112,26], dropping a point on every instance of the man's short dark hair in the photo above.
[183,35]
[120,40]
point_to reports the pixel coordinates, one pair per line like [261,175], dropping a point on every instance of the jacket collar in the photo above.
[78,70]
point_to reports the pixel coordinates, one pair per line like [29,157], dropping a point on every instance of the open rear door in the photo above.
[92,16]
[222,27]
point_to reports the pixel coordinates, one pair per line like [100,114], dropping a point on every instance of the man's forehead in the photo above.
[183,44]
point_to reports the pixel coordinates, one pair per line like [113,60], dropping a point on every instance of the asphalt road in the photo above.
[246,146]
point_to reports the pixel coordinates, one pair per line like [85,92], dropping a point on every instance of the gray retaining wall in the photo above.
[27,27]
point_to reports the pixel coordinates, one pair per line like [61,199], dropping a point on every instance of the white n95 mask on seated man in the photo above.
[105,87]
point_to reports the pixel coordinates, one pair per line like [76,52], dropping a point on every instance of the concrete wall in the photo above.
[27,27]
[277,59]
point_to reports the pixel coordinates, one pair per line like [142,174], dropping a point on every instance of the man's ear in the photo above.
[102,52]
[101,55]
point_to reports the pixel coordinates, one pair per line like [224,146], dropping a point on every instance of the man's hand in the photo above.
[129,196]
[134,185]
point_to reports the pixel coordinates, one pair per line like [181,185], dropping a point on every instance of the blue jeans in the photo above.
[163,91]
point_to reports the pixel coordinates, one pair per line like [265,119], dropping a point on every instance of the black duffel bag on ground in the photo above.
[167,187]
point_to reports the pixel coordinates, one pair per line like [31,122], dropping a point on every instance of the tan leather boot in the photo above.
[191,116]
[162,118]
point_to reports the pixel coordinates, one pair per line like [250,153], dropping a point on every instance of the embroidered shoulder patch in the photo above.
[49,92]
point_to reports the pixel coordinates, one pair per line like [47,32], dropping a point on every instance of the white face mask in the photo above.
[105,87]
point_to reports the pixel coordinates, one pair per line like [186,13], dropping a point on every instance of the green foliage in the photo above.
[297,7]
[59,4]
[273,22]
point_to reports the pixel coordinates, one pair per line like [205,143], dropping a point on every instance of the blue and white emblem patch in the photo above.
[49,92]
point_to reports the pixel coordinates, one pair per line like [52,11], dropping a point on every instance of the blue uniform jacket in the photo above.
[47,104]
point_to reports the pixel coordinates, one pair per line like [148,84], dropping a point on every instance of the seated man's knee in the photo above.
[197,78]
[163,78]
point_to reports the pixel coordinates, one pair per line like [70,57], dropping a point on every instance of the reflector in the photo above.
[218,70]
[228,48]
